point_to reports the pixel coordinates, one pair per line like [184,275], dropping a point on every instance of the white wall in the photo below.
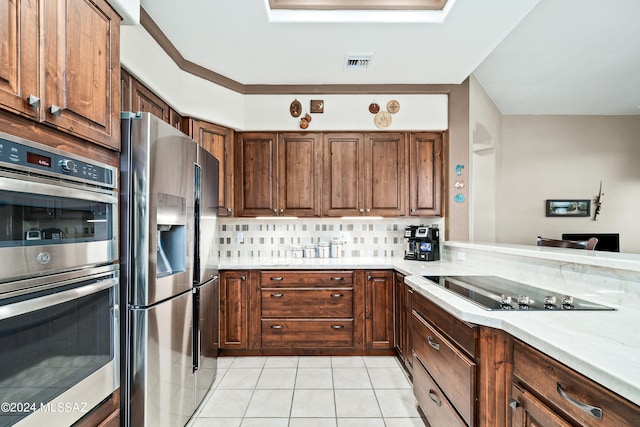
[565,157]
[485,126]
[196,97]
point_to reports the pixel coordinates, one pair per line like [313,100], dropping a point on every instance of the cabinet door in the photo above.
[126,80]
[146,101]
[82,69]
[425,168]
[218,141]
[385,174]
[234,313]
[343,175]
[255,172]
[530,412]
[299,171]
[19,56]
[399,315]
[379,310]
[175,119]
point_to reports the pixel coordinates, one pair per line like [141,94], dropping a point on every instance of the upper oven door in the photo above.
[49,226]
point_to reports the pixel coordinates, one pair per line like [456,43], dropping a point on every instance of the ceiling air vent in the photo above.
[357,61]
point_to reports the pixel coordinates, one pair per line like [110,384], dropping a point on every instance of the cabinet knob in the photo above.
[361,210]
[368,210]
[56,110]
[33,100]
[513,403]
[229,210]
[281,210]
[275,211]
[243,277]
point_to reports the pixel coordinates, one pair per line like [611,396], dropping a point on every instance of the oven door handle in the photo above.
[39,186]
[27,306]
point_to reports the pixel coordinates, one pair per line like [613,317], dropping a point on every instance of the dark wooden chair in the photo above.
[589,245]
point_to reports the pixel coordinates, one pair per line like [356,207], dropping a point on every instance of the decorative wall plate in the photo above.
[393,106]
[374,108]
[295,108]
[317,106]
[382,119]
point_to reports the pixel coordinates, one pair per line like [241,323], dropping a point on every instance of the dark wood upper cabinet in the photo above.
[299,172]
[255,174]
[343,174]
[425,170]
[277,174]
[76,87]
[218,141]
[19,57]
[364,174]
[144,100]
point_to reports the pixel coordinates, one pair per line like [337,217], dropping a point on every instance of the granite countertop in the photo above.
[599,344]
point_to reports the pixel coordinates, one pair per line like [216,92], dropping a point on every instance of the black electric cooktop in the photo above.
[496,293]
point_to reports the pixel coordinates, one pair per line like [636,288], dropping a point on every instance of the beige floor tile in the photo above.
[270,404]
[314,378]
[277,378]
[351,378]
[356,404]
[313,403]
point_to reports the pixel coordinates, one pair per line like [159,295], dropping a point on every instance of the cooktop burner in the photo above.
[496,293]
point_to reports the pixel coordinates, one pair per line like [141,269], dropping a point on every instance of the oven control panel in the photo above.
[28,156]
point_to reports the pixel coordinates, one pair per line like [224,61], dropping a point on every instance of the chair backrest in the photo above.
[573,244]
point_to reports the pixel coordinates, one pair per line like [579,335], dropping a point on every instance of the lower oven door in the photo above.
[59,350]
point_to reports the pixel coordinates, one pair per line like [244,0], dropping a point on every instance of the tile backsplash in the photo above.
[275,237]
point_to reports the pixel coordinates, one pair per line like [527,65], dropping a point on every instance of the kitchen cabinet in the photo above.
[277,174]
[463,366]
[379,309]
[546,392]
[53,75]
[402,294]
[364,174]
[107,414]
[425,171]
[308,310]
[146,101]
[218,141]
[234,310]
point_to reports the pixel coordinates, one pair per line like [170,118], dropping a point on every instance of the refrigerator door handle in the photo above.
[196,330]
[196,227]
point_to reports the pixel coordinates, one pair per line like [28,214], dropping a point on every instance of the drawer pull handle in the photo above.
[277,326]
[337,279]
[276,279]
[277,295]
[337,295]
[434,397]
[433,344]
[591,410]
[336,327]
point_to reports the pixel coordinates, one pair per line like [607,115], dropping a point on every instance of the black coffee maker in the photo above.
[423,242]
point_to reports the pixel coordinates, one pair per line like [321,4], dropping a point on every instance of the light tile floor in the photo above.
[309,391]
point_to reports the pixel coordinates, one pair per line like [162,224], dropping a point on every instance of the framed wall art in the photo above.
[568,208]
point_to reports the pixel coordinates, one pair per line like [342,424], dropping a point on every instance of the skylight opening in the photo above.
[369,11]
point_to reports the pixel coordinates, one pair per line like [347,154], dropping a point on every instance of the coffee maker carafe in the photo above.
[423,243]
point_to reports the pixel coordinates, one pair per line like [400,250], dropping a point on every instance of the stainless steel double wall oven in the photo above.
[59,286]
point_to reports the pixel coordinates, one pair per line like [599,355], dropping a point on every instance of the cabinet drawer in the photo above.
[432,401]
[450,368]
[273,279]
[307,302]
[578,397]
[464,334]
[307,333]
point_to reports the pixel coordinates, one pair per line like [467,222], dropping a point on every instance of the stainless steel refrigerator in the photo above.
[169,276]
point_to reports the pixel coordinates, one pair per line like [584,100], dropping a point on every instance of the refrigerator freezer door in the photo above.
[208,296]
[161,383]
[209,257]
[158,211]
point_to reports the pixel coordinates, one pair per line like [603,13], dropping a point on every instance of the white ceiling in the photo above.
[531,56]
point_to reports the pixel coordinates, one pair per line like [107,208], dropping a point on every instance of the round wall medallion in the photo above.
[374,108]
[382,119]
[393,106]
[295,108]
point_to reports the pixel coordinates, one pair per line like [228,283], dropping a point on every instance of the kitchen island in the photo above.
[601,345]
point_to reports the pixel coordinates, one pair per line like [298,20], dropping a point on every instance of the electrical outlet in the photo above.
[240,237]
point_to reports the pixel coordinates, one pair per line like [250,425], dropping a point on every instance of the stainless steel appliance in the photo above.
[59,286]
[423,243]
[497,293]
[169,271]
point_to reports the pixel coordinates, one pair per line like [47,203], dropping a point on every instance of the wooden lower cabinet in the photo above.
[402,295]
[465,366]
[107,414]
[234,310]
[378,310]
[547,393]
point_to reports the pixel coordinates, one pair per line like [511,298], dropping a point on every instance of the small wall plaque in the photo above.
[317,106]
